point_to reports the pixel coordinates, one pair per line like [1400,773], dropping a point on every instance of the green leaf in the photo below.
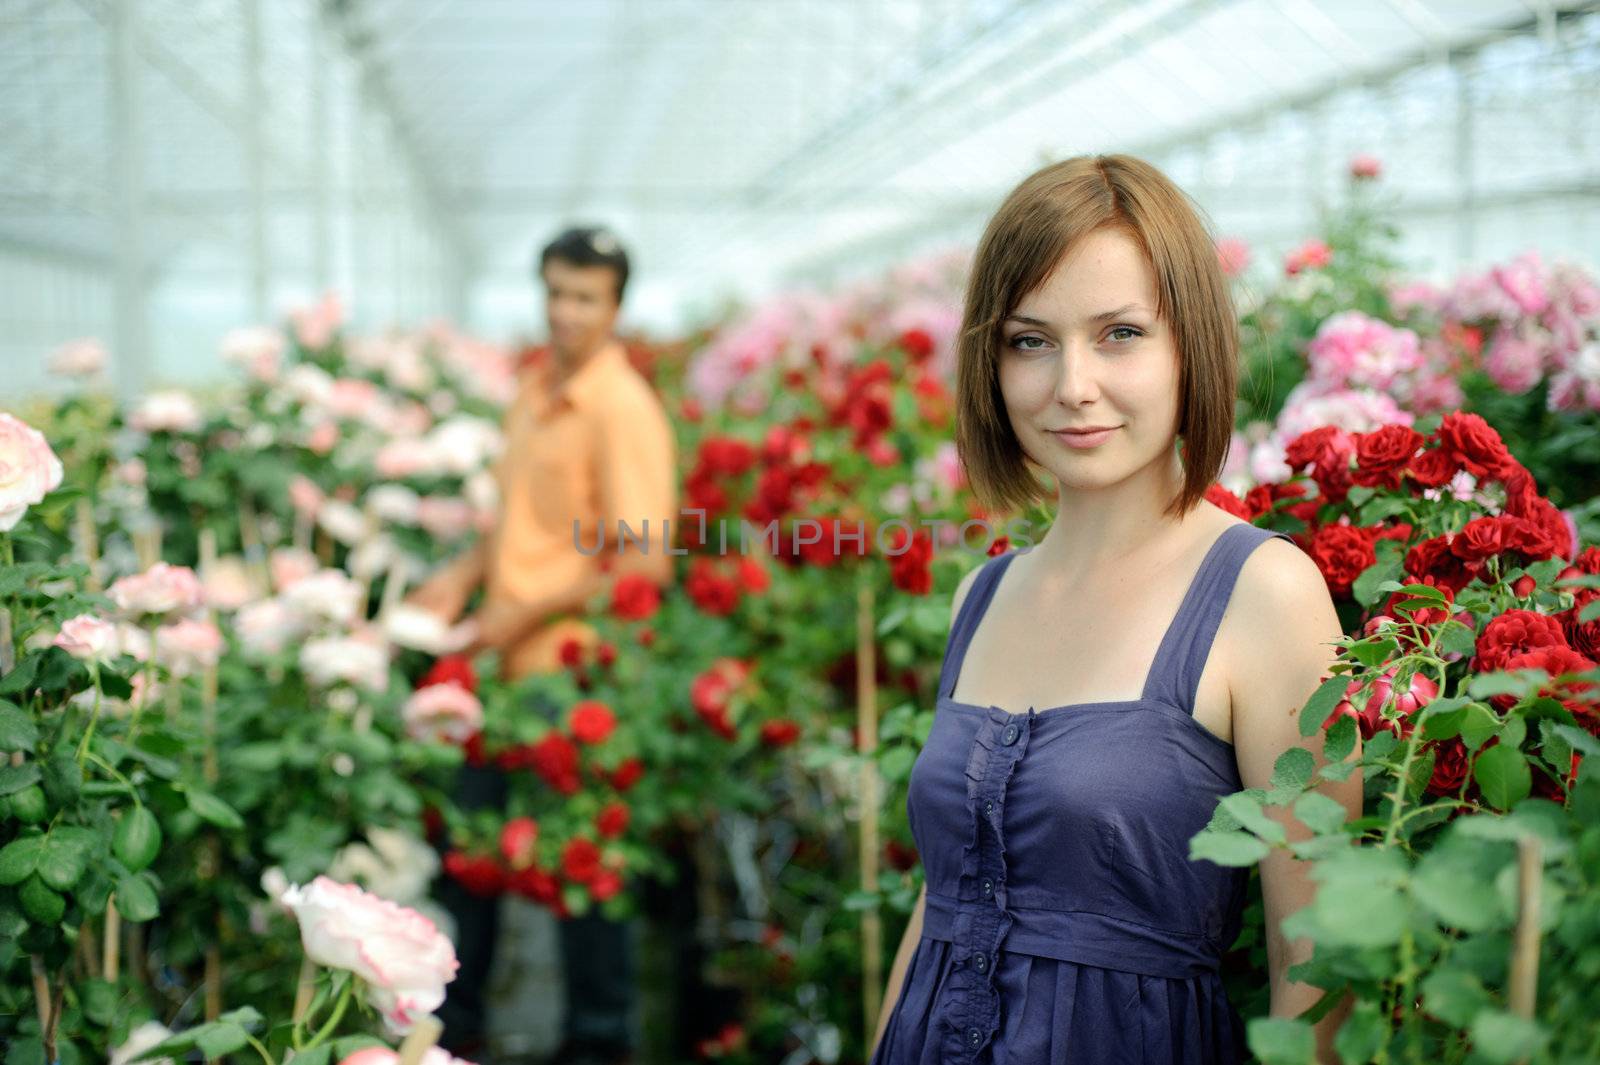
[1354,918]
[20,858]
[13,778]
[21,677]
[1363,1034]
[1503,776]
[17,730]
[137,839]
[1448,886]
[210,808]
[1339,741]
[136,899]
[41,904]
[220,1037]
[1454,996]
[1293,769]
[62,779]
[1281,1041]
[1478,723]
[1505,1037]
[1246,809]
[1579,739]
[1228,848]
[1321,704]
[1319,812]
[62,863]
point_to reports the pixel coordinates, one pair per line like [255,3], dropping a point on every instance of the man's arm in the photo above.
[635,459]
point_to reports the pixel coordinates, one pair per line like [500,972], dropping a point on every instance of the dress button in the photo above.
[980,961]
[1009,736]
[988,806]
[974,1036]
[988,888]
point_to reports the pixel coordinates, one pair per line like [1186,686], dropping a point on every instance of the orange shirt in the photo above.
[598,449]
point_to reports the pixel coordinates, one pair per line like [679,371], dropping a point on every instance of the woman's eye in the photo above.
[1016,342]
[1128,329]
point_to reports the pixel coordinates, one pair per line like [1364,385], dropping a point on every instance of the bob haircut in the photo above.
[1040,222]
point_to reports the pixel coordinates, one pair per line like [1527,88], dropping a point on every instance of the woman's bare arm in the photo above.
[1289,626]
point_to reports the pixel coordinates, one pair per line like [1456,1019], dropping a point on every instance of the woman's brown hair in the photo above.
[1040,221]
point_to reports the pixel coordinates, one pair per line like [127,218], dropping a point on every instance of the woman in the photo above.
[1061,919]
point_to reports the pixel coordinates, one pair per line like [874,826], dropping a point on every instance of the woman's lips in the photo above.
[1082,441]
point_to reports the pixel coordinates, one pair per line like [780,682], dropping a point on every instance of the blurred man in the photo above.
[586,441]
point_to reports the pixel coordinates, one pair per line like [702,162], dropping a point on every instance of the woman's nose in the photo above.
[1075,375]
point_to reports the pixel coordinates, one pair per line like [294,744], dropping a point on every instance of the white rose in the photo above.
[342,521]
[400,955]
[29,470]
[417,629]
[393,503]
[78,358]
[170,411]
[335,659]
[326,595]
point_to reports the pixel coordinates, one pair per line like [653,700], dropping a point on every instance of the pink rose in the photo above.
[29,470]
[385,1056]
[445,518]
[188,646]
[78,358]
[289,564]
[314,326]
[304,495]
[89,639]
[162,589]
[227,583]
[1233,255]
[258,349]
[400,955]
[442,712]
[1365,167]
[266,628]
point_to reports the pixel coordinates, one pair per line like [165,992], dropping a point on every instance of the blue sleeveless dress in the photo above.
[1064,921]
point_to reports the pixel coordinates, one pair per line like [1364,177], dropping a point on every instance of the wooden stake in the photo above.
[867,744]
[113,940]
[1525,940]
[213,982]
[423,1036]
[89,544]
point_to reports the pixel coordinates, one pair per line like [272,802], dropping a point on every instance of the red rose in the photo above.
[1477,541]
[1433,469]
[634,597]
[1382,455]
[1342,552]
[479,874]
[580,860]
[517,837]
[1473,443]
[1513,633]
[779,733]
[1581,698]
[591,722]
[537,884]
[604,885]
[612,820]
[606,654]
[1528,537]
[451,669]
[1327,450]
[712,592]
[1422,615]
[918,343]
[1450,767]
[1547,787]
[570,653]
[1219,496]
[555,759]
[627,774]
[1433,558]
[753,576]
[1000,546]
[477,756]
[1401,706]
[1548,519]
[899,856]
[911,569]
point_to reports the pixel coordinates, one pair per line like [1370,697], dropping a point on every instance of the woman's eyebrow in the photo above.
[1103,316]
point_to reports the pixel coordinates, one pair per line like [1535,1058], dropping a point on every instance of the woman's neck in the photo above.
[1116,525]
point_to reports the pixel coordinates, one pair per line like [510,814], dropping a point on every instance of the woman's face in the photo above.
[1086,350]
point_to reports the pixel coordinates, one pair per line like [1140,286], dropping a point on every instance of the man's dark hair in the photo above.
[589,246]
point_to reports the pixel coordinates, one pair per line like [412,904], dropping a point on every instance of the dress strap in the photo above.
[1175,675]
[965,624]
